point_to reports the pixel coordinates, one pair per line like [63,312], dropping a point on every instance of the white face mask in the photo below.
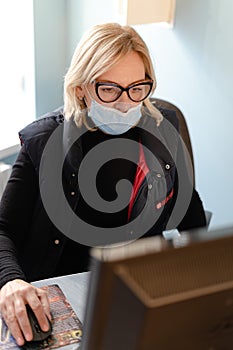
[111,120]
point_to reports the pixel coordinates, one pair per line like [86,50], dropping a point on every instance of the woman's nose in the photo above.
[124,97]
[122,106]
[123,103]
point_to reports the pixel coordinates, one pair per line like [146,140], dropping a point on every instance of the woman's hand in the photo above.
[13,297]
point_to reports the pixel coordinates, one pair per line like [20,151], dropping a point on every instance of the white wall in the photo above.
[50,25]
[16,71]
[193,63]
[84,13]
[58,26]
[194,69]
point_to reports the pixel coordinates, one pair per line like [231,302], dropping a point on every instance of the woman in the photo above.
[68,187]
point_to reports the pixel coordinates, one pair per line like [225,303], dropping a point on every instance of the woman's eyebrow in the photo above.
[114,82]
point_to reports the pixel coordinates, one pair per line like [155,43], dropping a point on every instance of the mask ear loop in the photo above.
[90,128]
[85,100]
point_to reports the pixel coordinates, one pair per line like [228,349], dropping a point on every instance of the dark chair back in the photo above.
[182,125]
[184,132]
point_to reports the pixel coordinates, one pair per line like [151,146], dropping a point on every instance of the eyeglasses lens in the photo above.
[139,92]
[108,93]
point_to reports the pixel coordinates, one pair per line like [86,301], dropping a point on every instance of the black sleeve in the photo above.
[16,210]
[195,215]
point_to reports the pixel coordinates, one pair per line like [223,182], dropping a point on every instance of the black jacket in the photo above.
[31,244]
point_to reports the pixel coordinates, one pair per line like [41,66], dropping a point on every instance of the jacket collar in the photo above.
[162,142]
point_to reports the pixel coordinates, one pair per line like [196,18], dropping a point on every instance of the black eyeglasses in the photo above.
[110,92]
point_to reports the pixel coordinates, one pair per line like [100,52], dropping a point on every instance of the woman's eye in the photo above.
[137,89]
[107,90]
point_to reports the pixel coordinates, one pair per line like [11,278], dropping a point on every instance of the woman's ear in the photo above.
[79,92]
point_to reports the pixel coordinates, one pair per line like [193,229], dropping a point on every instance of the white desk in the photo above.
[75,289]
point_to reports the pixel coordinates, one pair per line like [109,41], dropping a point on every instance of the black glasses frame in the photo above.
[100,83]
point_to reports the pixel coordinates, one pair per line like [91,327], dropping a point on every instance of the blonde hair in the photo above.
[99,49]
